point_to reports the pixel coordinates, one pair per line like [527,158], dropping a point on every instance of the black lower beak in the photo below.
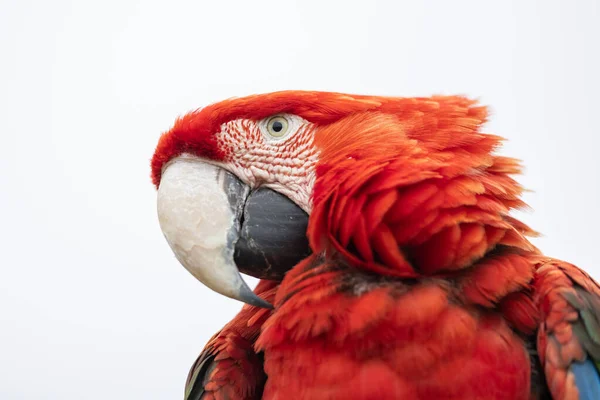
[272,237]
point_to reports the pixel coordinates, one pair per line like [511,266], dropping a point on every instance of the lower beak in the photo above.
[217,227]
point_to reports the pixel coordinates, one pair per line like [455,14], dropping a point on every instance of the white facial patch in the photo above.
[285,164]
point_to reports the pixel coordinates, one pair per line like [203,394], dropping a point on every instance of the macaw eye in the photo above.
[277,126]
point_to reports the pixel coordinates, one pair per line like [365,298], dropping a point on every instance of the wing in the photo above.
[229,367]
[569,335]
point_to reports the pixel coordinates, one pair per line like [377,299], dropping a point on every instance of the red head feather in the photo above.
[195,132]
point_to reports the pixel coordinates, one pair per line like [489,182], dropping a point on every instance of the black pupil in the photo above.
[277,126]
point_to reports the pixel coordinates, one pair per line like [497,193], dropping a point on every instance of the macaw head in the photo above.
[237,180]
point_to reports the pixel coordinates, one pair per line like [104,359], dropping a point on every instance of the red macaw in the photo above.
[392,266]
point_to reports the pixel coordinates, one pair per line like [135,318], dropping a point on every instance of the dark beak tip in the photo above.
[256,301]
[268,306]
[249,297]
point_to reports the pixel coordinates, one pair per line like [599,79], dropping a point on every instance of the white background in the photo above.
[93,305]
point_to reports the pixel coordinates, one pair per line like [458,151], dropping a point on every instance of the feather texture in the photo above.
[421,284]
[414,194]
[569,334]
[346,334]
[228,367]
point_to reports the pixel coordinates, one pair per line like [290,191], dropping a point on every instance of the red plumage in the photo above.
[228,367]
[421,285]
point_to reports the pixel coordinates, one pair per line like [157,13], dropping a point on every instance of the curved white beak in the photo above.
[199,210]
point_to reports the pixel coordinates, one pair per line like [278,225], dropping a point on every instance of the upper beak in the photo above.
[216,227]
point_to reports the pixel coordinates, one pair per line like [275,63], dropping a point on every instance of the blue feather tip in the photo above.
[586,379]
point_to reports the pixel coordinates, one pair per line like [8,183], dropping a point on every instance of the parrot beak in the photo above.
[217,227]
